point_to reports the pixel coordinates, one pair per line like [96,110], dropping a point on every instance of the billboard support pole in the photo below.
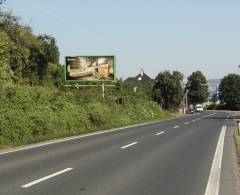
[103,87]
[103,90]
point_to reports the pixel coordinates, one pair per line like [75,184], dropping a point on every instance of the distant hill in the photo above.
[212,86]
[141,79]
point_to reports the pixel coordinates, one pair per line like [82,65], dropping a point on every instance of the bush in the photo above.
[29,114]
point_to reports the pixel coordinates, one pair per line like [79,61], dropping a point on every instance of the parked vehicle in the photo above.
[190,111]
[199,108]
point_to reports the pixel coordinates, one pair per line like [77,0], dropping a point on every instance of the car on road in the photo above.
[199,108]
[190,111]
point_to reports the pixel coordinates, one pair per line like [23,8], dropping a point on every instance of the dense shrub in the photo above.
[29,114]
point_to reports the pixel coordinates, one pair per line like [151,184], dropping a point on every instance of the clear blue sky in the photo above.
[155,35]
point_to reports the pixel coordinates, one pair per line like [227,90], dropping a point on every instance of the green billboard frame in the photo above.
[91,81]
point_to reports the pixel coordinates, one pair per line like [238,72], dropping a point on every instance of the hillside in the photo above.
[39,113]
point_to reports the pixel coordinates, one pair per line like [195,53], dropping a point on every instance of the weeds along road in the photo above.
[170,157]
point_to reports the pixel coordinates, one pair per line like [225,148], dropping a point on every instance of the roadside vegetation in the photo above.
[229,94]
[35,105]
[237,142]
[197,87]
[34,113]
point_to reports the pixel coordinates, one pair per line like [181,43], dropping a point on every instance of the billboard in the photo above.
[90,68]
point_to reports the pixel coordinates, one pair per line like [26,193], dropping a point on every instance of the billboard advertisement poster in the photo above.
[90,68]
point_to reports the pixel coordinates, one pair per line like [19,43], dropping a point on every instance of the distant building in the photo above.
[141,79]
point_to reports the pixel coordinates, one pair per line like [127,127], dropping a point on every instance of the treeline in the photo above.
[228,96]
[34,60]
[169,91]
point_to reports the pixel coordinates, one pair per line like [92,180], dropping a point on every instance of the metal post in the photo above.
[238,124]
[186,103]
[103,90]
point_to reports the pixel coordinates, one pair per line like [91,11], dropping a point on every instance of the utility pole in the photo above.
[186,100]
[2,1]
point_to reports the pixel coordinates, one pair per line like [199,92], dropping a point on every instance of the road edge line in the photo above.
[214,177]
[54,141]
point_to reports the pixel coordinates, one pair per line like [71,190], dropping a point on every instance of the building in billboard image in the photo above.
[90,68]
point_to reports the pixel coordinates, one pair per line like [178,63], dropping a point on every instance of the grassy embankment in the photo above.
[32,114]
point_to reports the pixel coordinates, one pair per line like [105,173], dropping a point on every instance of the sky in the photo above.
[156,35]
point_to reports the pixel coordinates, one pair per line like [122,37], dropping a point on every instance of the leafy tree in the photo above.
[167,89]
[50,48]
[2,1]
[198,89]
[229,91]
[157,96]
[29,55]
[37,62]
[214,98]
[55,75]
[5,71]
[21,38]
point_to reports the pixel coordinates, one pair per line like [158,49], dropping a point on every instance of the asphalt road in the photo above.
[172,157]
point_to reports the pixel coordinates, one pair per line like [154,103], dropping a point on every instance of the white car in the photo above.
[199,108]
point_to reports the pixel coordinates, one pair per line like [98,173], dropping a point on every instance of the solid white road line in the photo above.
[126,146]
[196,119]
[214,178]
[162,132]
[176,127]
[45,178]
[209,115]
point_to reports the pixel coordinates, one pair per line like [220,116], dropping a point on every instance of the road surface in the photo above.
[173,157]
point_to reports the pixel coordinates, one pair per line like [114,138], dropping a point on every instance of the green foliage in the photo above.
[34,104]
[167,89]
[50,48]
[6,73]
[29,55]
[34,113]
[214,98]
[229,91]
[198,89]
[55,75]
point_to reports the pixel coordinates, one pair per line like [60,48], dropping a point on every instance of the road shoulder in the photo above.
[230,177]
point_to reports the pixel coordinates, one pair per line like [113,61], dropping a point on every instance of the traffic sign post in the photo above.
[238,126]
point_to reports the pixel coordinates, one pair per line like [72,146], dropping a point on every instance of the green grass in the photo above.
[33,114]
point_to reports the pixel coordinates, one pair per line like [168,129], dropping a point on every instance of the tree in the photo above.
[198,89]
[21,38]
[55,75]
[29,55]
[167,89]
[214,98]
[229,91]
[6,73]
[2,1]
[50,48]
